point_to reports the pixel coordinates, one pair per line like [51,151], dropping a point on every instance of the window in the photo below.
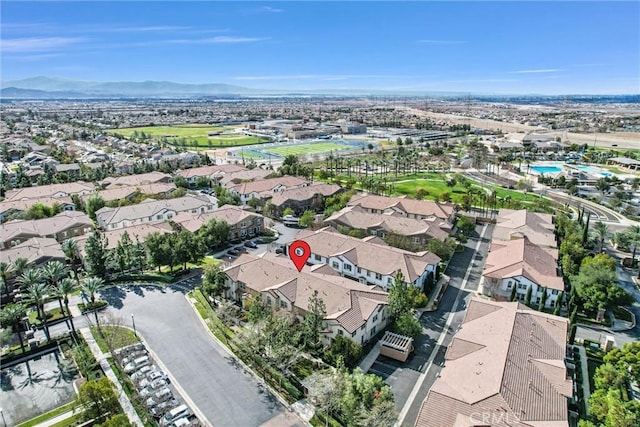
[340,332]
[389,281]
[363,326]
[359,270]
[554,292]
[347,267]
[378,276]
[158,216]
[509,284]
[416,240]
[335,265]
[353,334]
[373,331]
[241,285]
[375,318]
[368,274]
[317,257]
[283,304]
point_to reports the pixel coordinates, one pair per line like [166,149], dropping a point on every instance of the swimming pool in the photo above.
[541,170]
[592,171]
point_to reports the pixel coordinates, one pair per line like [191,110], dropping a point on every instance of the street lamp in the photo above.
[133,322]
[3,420]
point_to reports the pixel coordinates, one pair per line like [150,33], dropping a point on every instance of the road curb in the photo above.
[244,365]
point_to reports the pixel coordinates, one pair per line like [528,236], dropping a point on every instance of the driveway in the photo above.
[224,393]
[412,380]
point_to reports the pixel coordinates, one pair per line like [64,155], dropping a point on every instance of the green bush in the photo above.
[85,308]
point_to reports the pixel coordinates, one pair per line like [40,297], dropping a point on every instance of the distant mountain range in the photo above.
[59,88]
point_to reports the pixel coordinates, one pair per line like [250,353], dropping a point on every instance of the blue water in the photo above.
[592,171]
[546,169]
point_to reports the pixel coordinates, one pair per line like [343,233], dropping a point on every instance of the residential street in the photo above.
[411,380]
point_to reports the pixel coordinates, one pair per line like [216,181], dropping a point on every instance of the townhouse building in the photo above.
[303,198]
[263,189]
[410,208]
[243,223]
[60,227]
[53,190]
[10,208]
[369,261]
[135,180]
[353,310]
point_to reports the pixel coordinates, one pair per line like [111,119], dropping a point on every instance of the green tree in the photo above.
[527,298]
[65,287]
[399,298]
[543,300]
[444,250]
[407,325]
[11,316]
[53,272]
[307,219]
[37,294]
[96,254]
[90,286]
[601,231]
[123,253]
[6,271]
[288,211]
[180,181]
[313,324]
[466,225]
[94,203]
[120,420]
[596,287]
[98,400]
[213,280]
[626,359]
[345,351]
[256,309]
[213,233]
[72,256]
[203,182]
[513,294]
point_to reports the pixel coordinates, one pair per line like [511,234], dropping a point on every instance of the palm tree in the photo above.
[12,315]
[601,230]
[53,271]
[20,265]
[38,292]
[28,278]
[91,286]
[72,255]
[634,239]
[65,287]
[5,271]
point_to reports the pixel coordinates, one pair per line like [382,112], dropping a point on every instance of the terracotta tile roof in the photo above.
[412,206]
[44,227]
[233,178]
[523,258]
[374,257]
[349,302]
[210,171]
[139,179]
[506,361]
[537,227]
[356,217]
[149,208]
[23,205]
[304,193]
[122,192]
[138,231]
[232,215]
[34,250]
[266,185]
[49,190]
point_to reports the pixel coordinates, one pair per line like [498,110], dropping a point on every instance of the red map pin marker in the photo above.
[299,252]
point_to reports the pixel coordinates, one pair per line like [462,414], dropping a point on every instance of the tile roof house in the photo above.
[367,261]
[266,188]
[411,208]
[134,180]
[53,190]
[128,192]
[538,227]
[151,211]
[304,198]
[16,207]
[521,263]
[243,223]
[37,250]
[60,227]
[420,231]
[353,310]
[214,172]
[234,178]
[504,367]
[137,232]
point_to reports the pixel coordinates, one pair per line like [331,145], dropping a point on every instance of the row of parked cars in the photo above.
[237,250]
[152,385]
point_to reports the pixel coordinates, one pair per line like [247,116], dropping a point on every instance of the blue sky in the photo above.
[551,47]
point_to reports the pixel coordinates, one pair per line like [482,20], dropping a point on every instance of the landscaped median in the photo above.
[69,407]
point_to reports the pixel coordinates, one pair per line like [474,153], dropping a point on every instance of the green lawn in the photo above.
[313,148]
[186,131]
[48,415]
[52,316]
[205,136]
[116,335]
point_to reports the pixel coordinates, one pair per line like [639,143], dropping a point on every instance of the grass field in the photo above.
[306,149]
[194,136]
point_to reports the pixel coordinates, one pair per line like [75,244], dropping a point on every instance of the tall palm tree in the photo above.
[20,265]
[65,287]
[634,239]
[28,278]
[601,230]
[72,255]
[38,292]
[12,315]
[91,286]
[53,271]
[6,270]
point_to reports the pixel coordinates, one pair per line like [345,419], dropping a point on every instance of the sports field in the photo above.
[306,149]
[196,136]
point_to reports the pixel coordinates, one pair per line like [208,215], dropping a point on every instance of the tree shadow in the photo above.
[114,296]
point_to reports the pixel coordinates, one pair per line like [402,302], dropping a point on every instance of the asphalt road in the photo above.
[220,388]
[403,377]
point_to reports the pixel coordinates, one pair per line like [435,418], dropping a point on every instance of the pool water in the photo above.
[546,169]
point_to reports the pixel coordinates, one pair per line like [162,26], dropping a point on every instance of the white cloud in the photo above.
[37,44]
[441,42]
[544,70]
[269,9]
[325,77]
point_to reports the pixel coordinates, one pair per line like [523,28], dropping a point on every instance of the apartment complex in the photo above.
[410,208]
[243,223]
[60,227]
[369,261]
[515,224]
[353,310]
[54,190]
[304,198]
[504,367]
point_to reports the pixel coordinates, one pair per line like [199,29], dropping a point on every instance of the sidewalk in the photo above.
[436,293]
[370,359]
[586,392]
[57,419]
[101,357]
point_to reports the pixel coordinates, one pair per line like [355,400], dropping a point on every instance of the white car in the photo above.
[163,394]
[142,373]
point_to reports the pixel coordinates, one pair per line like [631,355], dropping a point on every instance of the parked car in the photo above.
[250,244]
[280,250]
[162,408]
[163,394]
[233,252]
[181,422]
[175,414]
[142,373]
[154,375]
